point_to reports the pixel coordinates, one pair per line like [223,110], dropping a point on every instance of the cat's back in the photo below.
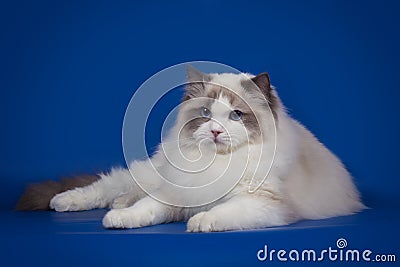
[318,185]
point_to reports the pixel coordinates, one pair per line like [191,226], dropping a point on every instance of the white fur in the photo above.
[306,180]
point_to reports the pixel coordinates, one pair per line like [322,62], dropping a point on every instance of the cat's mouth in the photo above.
[217,141]
[218,145]
[223,147]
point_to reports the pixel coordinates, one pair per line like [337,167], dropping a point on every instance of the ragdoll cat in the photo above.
[232,132]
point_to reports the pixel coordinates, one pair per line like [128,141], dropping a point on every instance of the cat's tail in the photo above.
[37,196]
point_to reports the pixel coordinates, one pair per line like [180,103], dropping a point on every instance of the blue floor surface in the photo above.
[48,238]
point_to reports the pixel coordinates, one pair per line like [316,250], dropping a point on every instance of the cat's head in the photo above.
[227,110]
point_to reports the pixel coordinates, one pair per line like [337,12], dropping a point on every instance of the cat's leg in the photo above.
[247,211]
[145,212]
[124,201]
[100,194]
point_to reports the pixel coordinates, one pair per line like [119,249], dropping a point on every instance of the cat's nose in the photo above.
[216,133]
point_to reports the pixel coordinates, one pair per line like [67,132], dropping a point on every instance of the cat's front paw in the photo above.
[204,221]
[68,201]
[128,218]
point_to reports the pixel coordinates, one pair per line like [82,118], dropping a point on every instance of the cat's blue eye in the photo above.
[205,113]
[236,115]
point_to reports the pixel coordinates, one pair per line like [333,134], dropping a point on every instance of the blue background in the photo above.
[69,69]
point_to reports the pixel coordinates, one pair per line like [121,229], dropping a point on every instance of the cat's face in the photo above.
[225,111]
[217,120]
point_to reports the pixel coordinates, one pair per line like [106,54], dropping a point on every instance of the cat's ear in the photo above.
[195,87]
[194,75]
[263,83]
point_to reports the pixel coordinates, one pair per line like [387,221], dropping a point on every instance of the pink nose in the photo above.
[216,133]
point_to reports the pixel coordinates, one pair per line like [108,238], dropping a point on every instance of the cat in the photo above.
[249,163]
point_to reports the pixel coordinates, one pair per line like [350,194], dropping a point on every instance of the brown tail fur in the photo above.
[37,196]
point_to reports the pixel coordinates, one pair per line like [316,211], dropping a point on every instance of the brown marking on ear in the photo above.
[263,85]
[196,80]
[37,196]
[193,90]
[195,75]
[262,81]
